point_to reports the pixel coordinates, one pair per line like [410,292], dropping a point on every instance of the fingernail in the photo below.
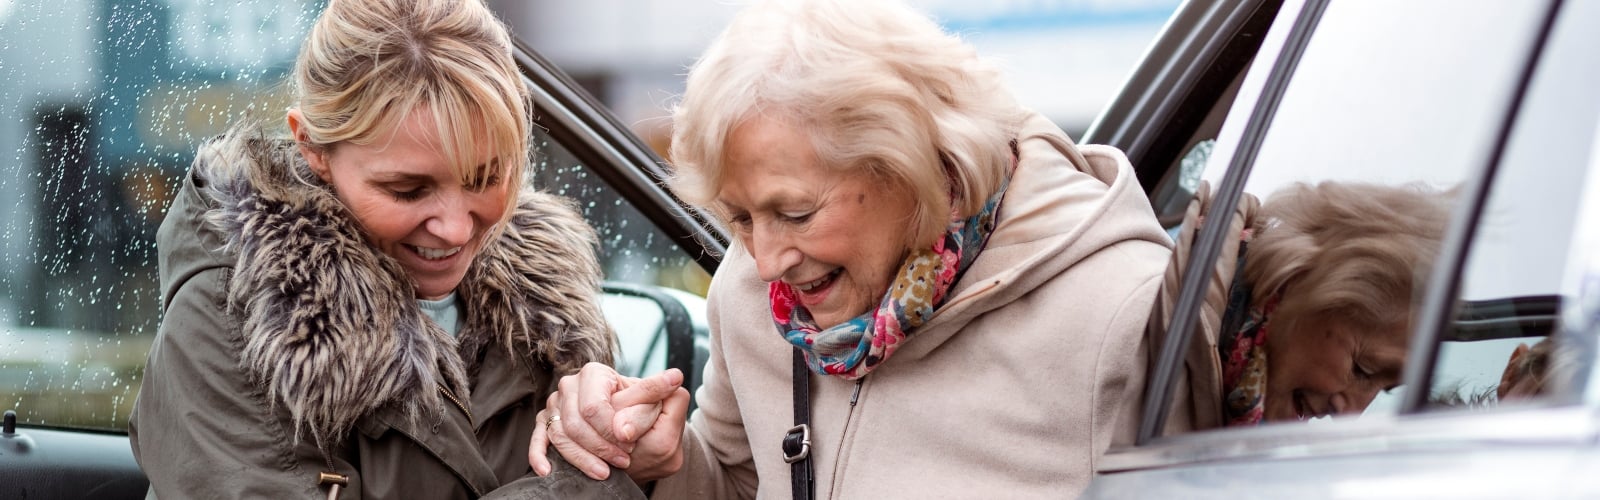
[627,432]
[620,460]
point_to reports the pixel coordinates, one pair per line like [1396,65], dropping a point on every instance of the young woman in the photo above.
[375,308]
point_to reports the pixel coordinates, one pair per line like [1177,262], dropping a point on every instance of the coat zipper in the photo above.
[850,416]
[452,397]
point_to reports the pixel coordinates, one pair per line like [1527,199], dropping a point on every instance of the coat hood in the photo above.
[1066,203]
[331,328]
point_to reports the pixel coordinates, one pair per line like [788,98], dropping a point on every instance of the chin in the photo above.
[435,292]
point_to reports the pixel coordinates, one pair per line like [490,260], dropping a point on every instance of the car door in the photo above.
[1495,106]
[104,102]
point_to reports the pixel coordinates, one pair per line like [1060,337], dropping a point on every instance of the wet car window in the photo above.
[102,103]
[1499,348]
[1309,311]
[632,250]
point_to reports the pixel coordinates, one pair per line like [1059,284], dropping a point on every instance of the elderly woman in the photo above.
[1318,319]
[375,309]
[932,287]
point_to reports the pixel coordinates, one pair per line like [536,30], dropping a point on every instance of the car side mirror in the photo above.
[657,328]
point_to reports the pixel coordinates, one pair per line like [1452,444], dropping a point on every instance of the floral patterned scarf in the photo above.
[1244,367]
[1243,346]
[855,347]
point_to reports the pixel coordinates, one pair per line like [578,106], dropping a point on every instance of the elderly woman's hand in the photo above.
[599,416]
[656,445]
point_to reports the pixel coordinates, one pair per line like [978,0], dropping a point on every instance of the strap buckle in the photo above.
[797,443]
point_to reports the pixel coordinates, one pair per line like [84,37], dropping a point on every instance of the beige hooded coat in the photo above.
[1031,369]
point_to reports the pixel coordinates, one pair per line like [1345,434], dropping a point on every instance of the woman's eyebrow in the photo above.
[775,201]
[401,177]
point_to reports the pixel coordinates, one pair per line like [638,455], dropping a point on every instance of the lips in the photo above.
[812,285]
[435,253]
[815,291]
[1303,409]
[432,260]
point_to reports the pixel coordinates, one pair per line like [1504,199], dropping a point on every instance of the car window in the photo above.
[1499,348]
[1352,180]
[1173,193]
[632,250]
[102,103]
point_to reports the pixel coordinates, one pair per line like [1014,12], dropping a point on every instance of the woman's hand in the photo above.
[658,451]
[599,416]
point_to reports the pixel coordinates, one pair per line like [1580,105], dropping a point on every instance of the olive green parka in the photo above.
[291,349]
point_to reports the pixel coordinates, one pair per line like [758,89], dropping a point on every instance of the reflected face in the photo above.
[838,238]
[1328,368]
[410,203]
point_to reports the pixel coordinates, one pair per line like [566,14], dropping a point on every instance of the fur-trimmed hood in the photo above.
[330,326]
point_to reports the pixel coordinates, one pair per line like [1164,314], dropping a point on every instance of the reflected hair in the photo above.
[877,87]
[367,63]
[1347,252]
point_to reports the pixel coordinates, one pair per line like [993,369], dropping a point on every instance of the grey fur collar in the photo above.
[331,327]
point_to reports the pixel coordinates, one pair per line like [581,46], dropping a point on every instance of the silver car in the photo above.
[1495,103]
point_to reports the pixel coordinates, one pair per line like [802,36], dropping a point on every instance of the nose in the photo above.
[452,221]
[773,251]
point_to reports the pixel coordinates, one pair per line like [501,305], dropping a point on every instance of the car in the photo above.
[1494,102]
[104,102]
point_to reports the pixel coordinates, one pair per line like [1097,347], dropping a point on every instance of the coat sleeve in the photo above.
[717,458]
[567,482]
[1122,366]
[199,429]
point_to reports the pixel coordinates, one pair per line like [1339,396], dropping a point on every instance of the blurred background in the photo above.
[103,102]
[1065,58]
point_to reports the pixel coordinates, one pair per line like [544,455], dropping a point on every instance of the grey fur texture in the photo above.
[331,325]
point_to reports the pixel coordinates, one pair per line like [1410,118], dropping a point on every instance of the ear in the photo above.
[314,157]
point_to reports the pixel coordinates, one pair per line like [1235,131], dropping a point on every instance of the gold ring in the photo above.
[551,422]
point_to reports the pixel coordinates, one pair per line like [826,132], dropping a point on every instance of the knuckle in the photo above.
[592,409]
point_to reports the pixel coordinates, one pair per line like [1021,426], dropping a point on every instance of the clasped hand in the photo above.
[599,417]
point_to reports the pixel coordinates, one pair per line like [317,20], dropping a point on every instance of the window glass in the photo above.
[1390,108]
[102,103]
[631,250]
[1497,349]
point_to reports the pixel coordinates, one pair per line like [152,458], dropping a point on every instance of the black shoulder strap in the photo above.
[797,442]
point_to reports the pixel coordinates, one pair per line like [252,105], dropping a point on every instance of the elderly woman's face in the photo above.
[411,204]
[1329,368]
[837,238]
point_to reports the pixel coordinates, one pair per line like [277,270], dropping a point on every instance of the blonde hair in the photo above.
[1353,253]
[366,63]
[877,86]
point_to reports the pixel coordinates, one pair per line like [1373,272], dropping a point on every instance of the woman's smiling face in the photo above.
[837,237]
[410,202]
[1330,368]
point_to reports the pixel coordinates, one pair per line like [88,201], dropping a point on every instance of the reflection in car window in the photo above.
[1346,204]
[1499,348]
[102,103]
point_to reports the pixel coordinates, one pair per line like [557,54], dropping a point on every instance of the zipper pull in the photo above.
[857,393]
[333,481]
